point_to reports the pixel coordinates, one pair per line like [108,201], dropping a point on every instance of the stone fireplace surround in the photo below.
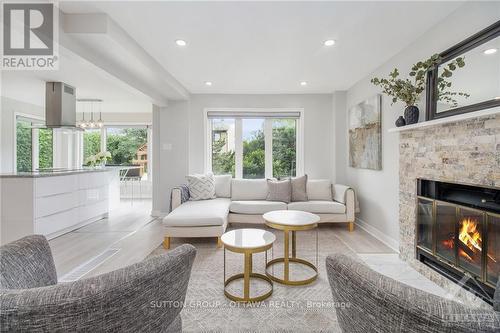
[466,151]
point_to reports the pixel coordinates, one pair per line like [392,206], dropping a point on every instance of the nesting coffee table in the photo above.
[248,242]
[291,221]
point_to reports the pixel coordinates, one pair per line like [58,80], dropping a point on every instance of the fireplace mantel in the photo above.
[441,121]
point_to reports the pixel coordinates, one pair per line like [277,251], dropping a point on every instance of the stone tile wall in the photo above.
[465,151]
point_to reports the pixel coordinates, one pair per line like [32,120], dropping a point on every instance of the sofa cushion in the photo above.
[256,206]
[279,190]
[318,207]
[249,189]
[223,186]
[199,213]
[201,187]
[299,188]
[319,189]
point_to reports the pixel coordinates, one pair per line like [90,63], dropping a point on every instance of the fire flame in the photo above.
[469,235]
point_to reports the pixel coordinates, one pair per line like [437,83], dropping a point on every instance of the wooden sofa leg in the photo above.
[351,226]
[166,243]
[219,243]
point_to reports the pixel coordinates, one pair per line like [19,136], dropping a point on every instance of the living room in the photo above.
[284,166]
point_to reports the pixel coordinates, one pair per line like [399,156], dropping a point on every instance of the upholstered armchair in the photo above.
[144,297]
[371,302]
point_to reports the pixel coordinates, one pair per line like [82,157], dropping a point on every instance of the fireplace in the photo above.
[458,233]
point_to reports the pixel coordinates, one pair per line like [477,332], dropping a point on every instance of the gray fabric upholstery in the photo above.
[299,188]
[144,297]
[371,302]
[496,297]
[279,190]
[27,263]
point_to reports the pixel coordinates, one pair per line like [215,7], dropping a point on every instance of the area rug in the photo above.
[289,309]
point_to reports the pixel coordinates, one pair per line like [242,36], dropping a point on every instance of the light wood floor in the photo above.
[135,234]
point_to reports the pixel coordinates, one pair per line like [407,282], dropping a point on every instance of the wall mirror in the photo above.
[476,85]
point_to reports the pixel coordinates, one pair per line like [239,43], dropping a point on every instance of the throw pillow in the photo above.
[223,186]
[299,188]
[201,187]
[279,190]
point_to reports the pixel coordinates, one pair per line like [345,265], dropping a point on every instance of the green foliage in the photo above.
[284,153]
[123,146]
[91,143]
[45,141]
[409,91]
[23,146]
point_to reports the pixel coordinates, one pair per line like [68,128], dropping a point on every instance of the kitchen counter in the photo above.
[52,173]
[52,203]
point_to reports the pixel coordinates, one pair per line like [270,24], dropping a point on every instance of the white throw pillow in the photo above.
[319,189]
[223,186]
[249,189]
[201,187]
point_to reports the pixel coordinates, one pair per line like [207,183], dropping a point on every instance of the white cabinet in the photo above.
[53,205]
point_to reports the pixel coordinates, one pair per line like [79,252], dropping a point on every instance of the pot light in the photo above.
[329,42]
[303,83]
[208,83]
[180,42]
[490,51]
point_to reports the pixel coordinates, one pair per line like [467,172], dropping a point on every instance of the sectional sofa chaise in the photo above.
[244,201]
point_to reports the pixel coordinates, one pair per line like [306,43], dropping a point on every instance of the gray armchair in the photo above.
[367,301]
[144,297]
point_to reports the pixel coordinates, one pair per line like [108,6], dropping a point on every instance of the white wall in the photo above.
[318,122]
[170,152]
[378,190]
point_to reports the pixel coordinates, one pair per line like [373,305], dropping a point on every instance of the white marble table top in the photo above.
[291,217]
[248,238]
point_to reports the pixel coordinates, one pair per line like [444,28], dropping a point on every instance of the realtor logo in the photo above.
[29,36]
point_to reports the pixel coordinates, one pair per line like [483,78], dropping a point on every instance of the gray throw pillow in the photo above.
[299,188]
[201,187]
[279,190]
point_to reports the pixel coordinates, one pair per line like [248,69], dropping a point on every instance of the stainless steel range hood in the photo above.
[60,106]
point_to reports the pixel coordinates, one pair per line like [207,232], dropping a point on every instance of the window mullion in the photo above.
[35,149]
[238,147]
[268,147]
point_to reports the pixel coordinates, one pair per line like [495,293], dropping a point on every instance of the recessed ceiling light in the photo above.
[490,51]
[180,42]
[208,83]
[329,42]
[303,83]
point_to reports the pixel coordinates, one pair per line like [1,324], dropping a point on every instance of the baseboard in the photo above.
[389,241]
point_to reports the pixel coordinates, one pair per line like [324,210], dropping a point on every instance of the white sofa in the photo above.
[244,201]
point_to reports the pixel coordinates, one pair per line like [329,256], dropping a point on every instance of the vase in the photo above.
[411,114]
[400,121]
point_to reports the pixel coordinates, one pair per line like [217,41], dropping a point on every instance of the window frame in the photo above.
[268,134]
[35,147]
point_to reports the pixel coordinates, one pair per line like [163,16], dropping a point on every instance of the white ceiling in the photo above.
[263,47]
[90,82]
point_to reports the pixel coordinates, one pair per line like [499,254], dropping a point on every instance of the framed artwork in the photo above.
[365,134]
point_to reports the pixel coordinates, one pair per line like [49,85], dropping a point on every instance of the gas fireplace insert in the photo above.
[458,233]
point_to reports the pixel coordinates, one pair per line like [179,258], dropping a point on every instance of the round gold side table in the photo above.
[291,221]
[248,242]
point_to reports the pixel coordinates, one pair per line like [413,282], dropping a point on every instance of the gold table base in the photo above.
[247,275]
[287,259]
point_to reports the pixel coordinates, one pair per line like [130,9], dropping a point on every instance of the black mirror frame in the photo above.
[468,44]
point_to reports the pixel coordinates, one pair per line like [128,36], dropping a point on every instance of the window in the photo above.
[284,148]
[91,142]
[254,158]
[34,146]
[223,154]
[254,145]
[127,145]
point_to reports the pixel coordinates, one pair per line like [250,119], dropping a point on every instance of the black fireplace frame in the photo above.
[486,202]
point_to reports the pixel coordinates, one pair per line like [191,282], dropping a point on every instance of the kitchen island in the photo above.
[55,202]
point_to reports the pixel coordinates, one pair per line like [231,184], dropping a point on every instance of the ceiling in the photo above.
[90,82]
[269,47]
